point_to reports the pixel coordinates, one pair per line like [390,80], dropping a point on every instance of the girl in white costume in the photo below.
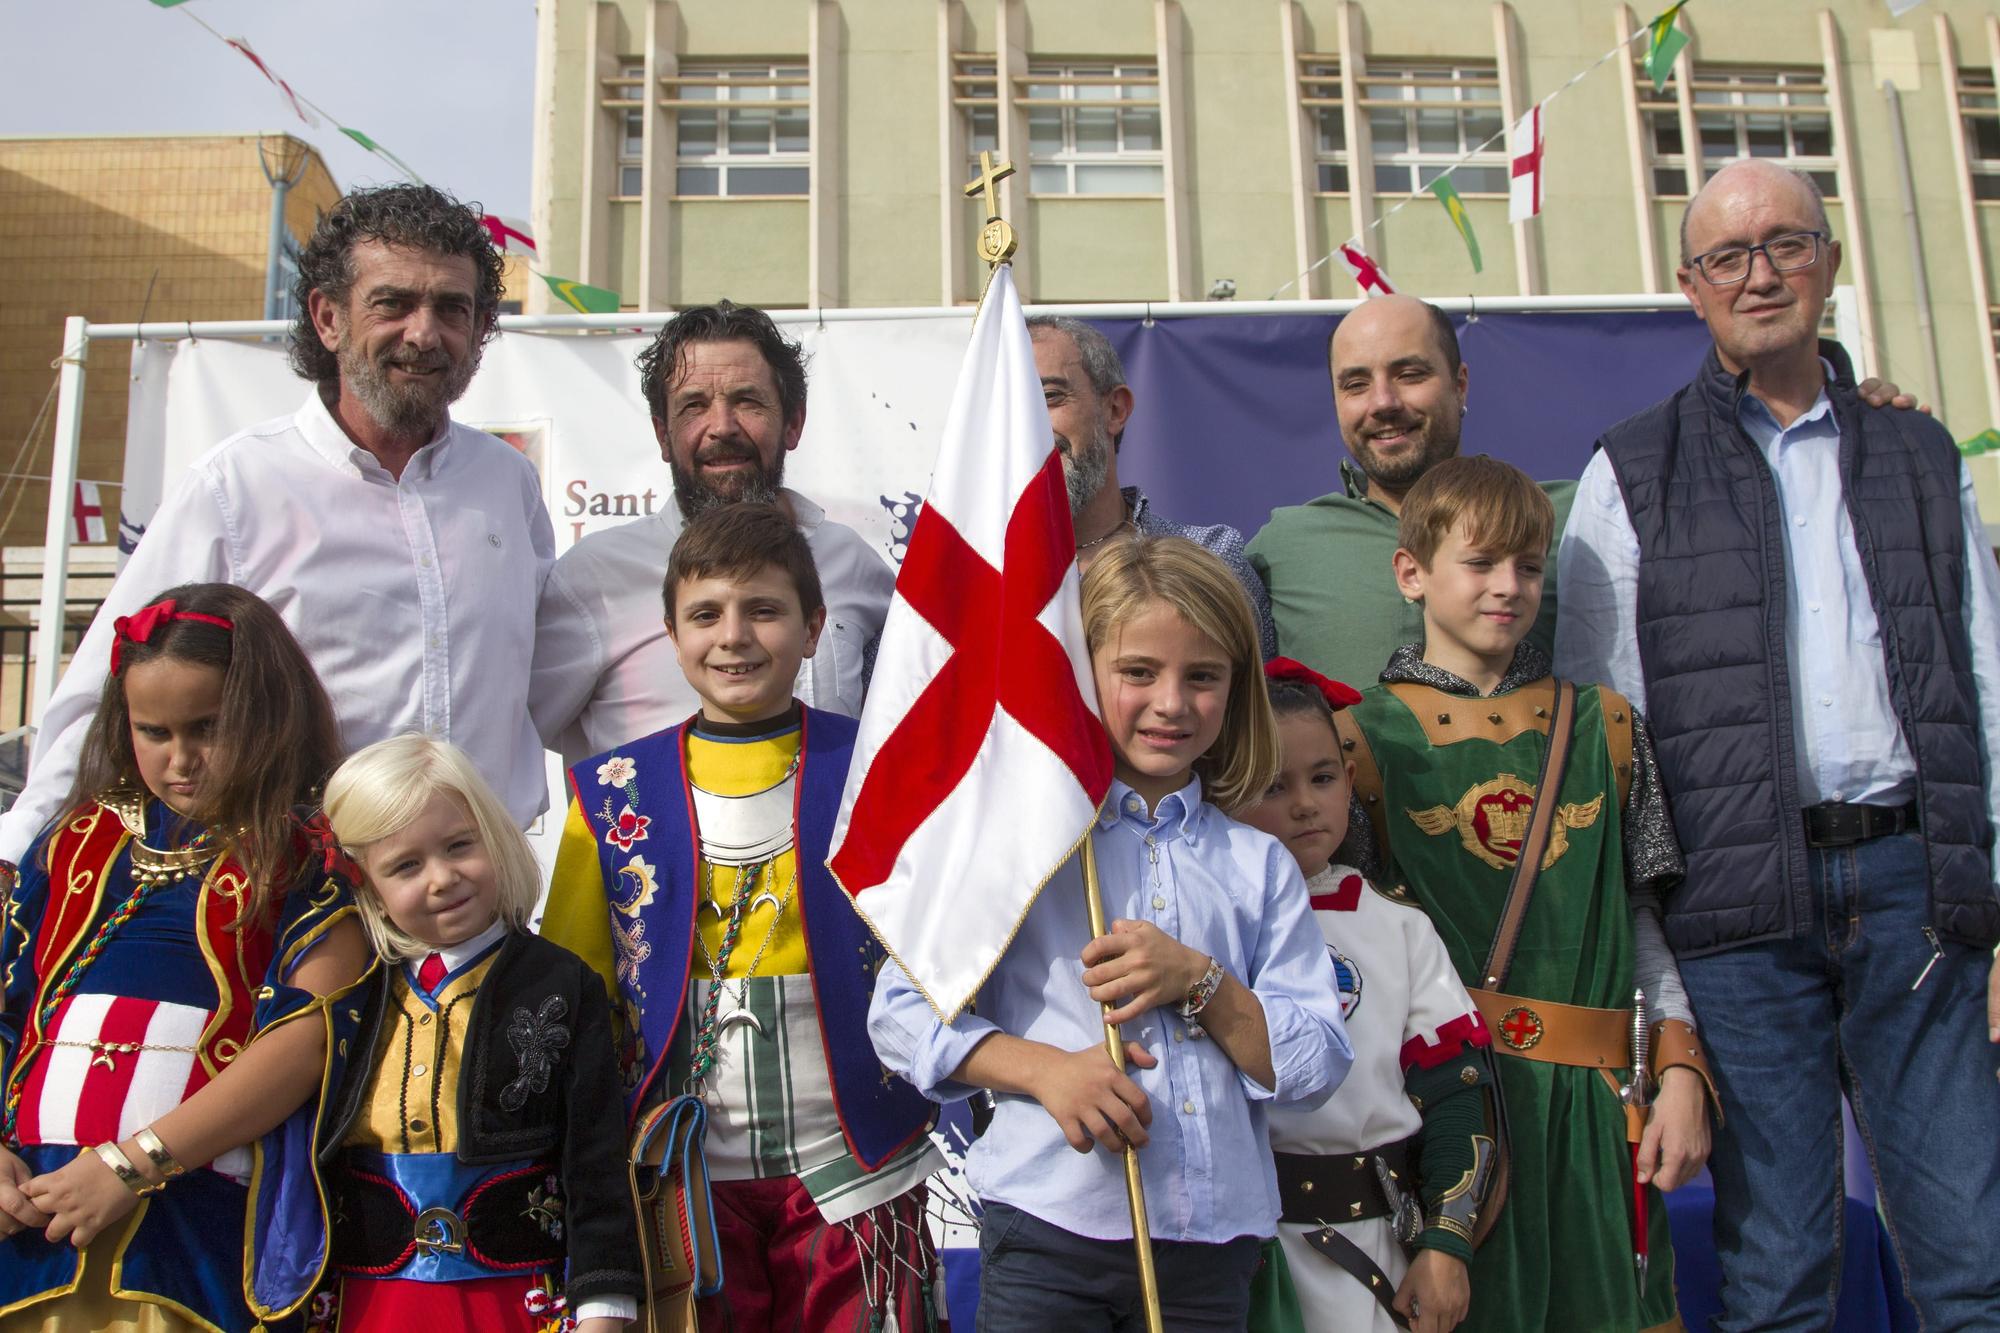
[1411,1118]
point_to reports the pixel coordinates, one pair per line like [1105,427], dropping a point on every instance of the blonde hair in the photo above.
[1179,575]
[378,791]
[1503,510]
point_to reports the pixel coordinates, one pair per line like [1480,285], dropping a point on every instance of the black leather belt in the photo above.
[1315,1190]
[1839,824]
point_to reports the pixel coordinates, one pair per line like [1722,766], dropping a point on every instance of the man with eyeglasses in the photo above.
[1797,589]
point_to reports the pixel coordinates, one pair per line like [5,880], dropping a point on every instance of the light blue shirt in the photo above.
[1849,743]
[1214,885]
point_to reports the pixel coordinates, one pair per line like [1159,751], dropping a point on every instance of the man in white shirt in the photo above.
[404,550]
[727,392]
[1798,590]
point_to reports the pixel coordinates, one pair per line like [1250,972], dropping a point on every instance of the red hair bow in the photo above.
[1337,695]
[141,625]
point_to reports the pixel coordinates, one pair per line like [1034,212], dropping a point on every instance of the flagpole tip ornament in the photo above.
[997,241]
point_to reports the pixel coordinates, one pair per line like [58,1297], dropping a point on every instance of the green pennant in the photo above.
[583,299]
[377,149]
[1986,442]
[1663,46]
[1455,207]
[169,4]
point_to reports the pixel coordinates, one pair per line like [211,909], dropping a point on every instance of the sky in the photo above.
[446,85]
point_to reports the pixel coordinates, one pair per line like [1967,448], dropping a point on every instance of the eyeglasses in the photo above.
[1731,264]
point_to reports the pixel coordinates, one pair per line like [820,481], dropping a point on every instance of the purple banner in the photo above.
[1235,413]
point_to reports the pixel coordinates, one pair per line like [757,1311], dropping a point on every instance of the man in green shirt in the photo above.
[1399,388]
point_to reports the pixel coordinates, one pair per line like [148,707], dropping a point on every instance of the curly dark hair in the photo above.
[418,216]
[722,322]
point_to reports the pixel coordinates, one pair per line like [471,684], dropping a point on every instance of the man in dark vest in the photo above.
[1797,589]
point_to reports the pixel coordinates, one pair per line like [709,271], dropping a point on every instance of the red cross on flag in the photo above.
[1524,166]
[86,508]
[1365,271]
[980,760]
[510,235]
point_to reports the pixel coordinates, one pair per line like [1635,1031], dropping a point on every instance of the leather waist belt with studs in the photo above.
[1315,1190]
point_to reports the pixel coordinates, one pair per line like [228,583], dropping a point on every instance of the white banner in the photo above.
[879,392]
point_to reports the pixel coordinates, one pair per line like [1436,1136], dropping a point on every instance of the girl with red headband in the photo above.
[1384,1186]
[171,960]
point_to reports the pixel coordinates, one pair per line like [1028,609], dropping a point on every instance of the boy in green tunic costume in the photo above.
[1449,751]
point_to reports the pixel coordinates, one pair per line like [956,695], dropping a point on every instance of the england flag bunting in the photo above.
[980,760]
[1524,166]
[1367,274]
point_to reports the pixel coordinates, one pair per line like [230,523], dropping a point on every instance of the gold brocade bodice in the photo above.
[412,1100]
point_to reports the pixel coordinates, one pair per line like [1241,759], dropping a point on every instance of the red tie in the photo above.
[431,973]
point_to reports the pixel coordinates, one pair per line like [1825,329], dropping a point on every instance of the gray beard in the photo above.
[403,408]
[696,497]
[1085,472]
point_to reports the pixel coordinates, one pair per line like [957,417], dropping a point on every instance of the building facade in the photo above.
[119,229]
[813,152]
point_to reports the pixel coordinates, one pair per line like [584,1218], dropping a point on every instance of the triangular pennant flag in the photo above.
[1365,271]
[1663,46]
[1455,206]
[169,4]
[1898,8]
[510,235]
[86,508]
[1524,166]
[382,152]
[1986,442]
[298,107]
[581,297]
[980,760]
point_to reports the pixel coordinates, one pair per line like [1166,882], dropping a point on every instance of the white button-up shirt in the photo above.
[413,597]
[1850,745]
[605,670]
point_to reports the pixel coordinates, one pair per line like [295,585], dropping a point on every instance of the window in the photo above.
[1319,95]
[976,91]
[1094,129]
[1979,110]
[1775,113]
[743,130]
[1661,113]
[1423,118]
[625,96]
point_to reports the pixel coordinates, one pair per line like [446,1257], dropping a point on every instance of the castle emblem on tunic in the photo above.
[1347,980]
[1492,821]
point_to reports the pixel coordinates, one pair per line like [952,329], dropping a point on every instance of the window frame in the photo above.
[767,81]
[1064,79]
[1326,109]
[1423,165]
[1738,83]
[1979,104]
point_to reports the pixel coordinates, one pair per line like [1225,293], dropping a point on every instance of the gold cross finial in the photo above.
[996,239]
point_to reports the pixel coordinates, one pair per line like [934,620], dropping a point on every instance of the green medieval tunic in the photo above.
[1451,810]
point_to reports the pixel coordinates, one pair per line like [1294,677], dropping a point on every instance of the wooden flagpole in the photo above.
[997,244]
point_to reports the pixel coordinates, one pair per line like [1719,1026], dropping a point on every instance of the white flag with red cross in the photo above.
[1524,166]
[980,760]
[86,510]
[1365,271]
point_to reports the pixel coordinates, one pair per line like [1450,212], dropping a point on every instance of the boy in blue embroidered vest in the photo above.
[1214,961]
[692,875]
[170,959]
[469,1158]
[1412,1104]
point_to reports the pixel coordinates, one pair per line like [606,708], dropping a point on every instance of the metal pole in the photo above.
[1114,1046]
[1920,277]
[62,488]
[273,284]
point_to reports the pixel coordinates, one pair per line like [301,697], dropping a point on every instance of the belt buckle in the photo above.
[440,1231]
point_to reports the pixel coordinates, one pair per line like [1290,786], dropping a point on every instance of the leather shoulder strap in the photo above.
[1548,788]
[1617,739]
[1367,777]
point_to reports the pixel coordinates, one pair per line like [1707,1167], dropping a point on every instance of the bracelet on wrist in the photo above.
[156,1152]
[1201,992]
[121,1166]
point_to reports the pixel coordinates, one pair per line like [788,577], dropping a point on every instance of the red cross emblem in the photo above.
[1002,657]
[1368,275]
[84,508]
[1529,163]
[1521,1027]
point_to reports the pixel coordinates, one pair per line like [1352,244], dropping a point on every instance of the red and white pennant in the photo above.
[980,761]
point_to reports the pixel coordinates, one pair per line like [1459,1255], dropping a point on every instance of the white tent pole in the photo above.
[62,487]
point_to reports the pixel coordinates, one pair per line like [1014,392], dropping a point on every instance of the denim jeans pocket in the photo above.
[997,1226]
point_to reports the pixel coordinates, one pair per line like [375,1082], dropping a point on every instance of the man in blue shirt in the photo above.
[1798,591]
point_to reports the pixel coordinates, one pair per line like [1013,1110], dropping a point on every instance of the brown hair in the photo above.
[738,540]
[275,735]
[1174,572]
[1502,508]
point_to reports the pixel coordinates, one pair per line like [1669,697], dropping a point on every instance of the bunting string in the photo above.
[1645,31]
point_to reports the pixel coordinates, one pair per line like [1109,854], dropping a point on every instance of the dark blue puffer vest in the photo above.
[1711,629]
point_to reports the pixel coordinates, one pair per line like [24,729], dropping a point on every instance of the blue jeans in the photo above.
[1035,1277]
[1791,1024]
